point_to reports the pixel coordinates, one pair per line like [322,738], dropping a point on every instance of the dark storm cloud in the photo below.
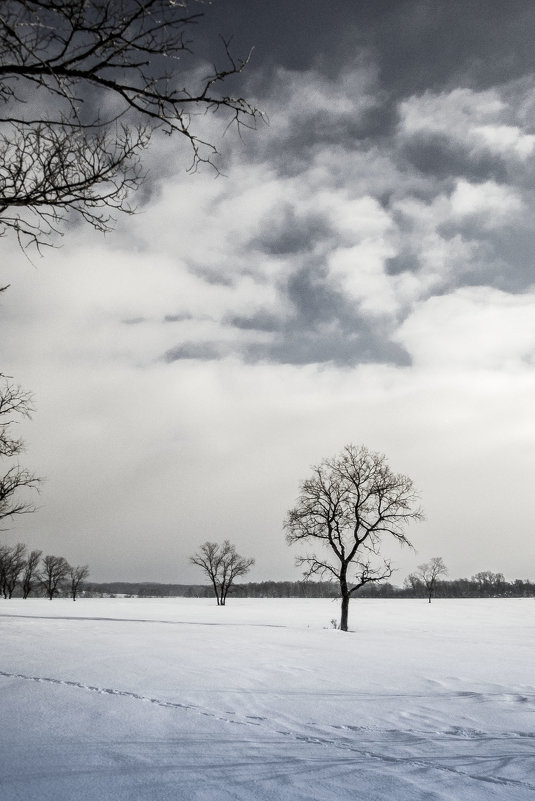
[344,345]
[204,351]
[260,321]
[515,250]
[417,44]
[327,326]
[327,129]
[177,318]
[441,157]
[321,325]
[133,321]
[314,300]
[337,79]
[287,232]
[402,263]
[506,258]
[212,275]
[345,349]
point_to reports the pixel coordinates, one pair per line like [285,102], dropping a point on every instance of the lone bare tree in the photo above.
[54,571]
[346,508]
[223,565]
[77,575]
[429,573]
[83,85]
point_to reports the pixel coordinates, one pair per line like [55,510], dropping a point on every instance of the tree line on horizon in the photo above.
[24,573]
[484,584]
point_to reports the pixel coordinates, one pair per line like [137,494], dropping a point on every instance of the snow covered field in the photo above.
[146,700]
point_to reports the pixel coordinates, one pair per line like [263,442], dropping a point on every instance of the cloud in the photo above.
[493,204]
[467,132]
[476,328]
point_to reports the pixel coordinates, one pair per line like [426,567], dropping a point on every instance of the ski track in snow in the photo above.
[453,734]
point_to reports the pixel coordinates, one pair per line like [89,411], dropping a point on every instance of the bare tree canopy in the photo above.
[54,571]
[12,562]
[77,575]
[30,576]
[347,507]
[15,404]
[223,565]
[428,574]
[83,84]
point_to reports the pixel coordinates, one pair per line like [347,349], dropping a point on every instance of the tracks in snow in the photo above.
[342,743]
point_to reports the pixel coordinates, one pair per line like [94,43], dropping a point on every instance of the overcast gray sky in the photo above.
[362,273]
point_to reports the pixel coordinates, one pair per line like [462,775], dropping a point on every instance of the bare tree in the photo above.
[77,575]
[15,404]
[12,561]
[54,571]
[83,85]
[223,565]
[347,507]
[14,564]
[429,573]
[30,575]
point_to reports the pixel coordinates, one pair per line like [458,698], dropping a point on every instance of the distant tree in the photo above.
[4,556]
[223,565]
[414,585]
[54,571]
[12,561]
[347,507]
[489,583]
[429,573]
[77,575]
[30,573]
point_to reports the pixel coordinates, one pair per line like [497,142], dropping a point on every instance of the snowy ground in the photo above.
[146,700]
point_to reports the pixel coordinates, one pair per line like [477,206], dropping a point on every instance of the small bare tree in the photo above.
[30,574]
[347,507]
[54,571]
[429,573]
[77,575]
[223,565]
[83,85]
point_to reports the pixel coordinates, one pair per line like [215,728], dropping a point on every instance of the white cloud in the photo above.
[306,95]
[477,120]
[475,328]
[493,203]
[505,139]
[452,112]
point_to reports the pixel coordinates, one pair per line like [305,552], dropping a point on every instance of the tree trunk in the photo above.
[345,595]
[216,591]
[344,612]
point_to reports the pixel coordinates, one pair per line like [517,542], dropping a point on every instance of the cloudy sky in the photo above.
[363,272]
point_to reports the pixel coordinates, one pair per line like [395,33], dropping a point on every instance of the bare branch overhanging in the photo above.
[102,76]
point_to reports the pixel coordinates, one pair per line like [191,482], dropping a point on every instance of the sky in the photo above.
[361,271]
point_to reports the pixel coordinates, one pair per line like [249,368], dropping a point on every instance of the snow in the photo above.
[150,700]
